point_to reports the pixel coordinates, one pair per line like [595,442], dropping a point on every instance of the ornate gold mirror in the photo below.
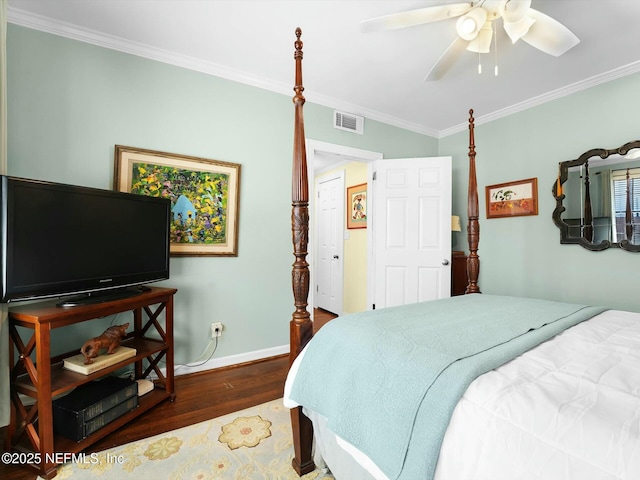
[598,199]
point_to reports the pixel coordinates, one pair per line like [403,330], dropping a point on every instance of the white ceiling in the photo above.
[377,75]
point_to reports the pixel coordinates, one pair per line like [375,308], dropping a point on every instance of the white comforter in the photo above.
[567,410]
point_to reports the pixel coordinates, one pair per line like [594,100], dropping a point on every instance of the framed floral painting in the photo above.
[204,196]
[512,199]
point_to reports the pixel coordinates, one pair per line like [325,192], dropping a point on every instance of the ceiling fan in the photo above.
[475,28]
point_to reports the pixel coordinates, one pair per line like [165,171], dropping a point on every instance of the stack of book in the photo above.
[93,405]
[104,360]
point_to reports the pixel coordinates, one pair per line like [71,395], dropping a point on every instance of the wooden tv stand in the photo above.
[31,428]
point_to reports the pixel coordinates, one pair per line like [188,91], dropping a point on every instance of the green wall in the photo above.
[523,255]
[69,103]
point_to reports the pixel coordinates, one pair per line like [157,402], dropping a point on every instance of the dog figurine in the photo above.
[110,339]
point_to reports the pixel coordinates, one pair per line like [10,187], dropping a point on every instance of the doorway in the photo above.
[419,190]
[328,161]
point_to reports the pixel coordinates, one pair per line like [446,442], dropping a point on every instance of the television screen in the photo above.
[61,240]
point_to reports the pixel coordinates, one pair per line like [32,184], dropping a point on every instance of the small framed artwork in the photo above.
[204,196]
[357,206]
[512,199]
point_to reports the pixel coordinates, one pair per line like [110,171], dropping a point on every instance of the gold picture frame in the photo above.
[204,196]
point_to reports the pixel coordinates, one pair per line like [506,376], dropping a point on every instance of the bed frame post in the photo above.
[473,227]
[301,326]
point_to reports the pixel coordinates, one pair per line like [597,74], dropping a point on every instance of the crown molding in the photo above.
[74,32]
[369,114]
[63,29]
[576,87]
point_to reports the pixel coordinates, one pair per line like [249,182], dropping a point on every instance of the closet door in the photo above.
[329,259]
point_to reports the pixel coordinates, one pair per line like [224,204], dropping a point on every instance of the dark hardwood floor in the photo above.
[199,397]
[320,317]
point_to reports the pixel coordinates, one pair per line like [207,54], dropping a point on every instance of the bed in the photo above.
[471,387]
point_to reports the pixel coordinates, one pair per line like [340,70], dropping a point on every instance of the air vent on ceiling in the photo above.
[348,121]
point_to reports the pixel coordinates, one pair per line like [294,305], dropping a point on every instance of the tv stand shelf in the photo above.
[31,427]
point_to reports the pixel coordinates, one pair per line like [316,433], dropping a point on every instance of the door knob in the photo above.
[336,257]
[445,262]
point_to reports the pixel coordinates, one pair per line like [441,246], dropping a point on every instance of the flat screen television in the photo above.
[91,244]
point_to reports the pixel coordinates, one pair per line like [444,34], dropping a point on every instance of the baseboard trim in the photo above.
[231,360]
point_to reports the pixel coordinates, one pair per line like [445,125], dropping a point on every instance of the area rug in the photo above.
[250,444]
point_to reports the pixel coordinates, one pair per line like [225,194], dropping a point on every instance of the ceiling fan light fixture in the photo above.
[519,28]
[468,26]
[474,28]
[482,42]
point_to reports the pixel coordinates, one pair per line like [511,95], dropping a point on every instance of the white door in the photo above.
[412,233]
[330,211]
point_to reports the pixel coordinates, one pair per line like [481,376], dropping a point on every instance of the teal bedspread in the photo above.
[389,380]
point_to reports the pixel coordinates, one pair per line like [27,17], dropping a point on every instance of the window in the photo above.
[626,188]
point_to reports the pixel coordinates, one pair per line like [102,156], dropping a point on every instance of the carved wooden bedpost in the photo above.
[628,213]
[301,327]
[473,228]
[587,231]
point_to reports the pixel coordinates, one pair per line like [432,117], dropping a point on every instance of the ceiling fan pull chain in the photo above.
[495,47]
[479,65]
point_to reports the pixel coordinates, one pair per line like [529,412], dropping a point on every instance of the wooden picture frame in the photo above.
[357,206]
[512,199]
[204,196]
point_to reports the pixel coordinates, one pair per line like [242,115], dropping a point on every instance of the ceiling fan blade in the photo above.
[446,60]
[415,17]
[549,35]
[517,29]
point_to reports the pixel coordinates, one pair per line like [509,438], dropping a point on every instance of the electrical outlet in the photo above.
[216,329]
